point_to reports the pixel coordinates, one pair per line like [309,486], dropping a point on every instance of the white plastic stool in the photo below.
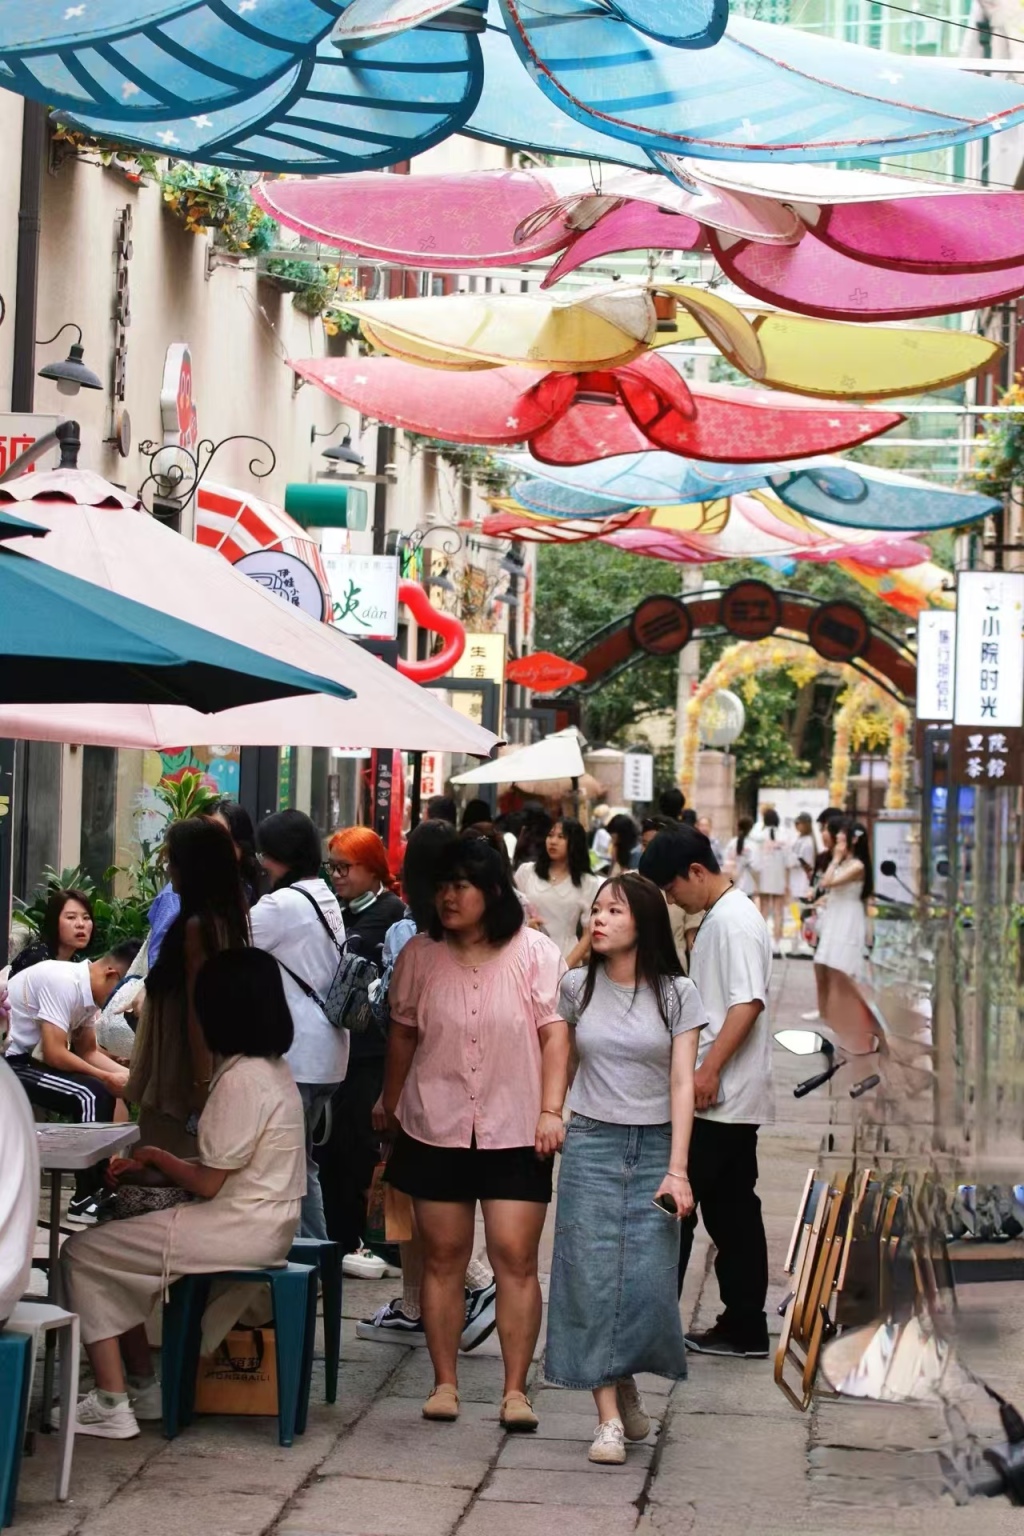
[40,1318]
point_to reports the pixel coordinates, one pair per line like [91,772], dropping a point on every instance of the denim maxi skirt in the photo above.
[613,1308]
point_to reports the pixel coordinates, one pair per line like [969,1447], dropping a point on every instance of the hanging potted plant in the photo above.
[135,165]
[203,197]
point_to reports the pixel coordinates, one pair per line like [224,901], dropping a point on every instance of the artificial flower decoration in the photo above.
[572,418]
[329,85]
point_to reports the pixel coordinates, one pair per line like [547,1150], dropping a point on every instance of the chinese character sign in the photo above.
[364,594]
[936,651]
[990,650]
[638,777]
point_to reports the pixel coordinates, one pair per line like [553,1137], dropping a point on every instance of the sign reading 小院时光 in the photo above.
[364,593]
[638,777]
[988,704]
[936,664]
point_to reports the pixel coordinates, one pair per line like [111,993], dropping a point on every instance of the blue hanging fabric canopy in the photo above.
[261,85]
[333,111]
[835,490]
[763,92]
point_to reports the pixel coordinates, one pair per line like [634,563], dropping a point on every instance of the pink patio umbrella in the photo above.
[102,535]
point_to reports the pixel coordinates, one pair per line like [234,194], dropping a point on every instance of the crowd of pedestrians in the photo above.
[534,993]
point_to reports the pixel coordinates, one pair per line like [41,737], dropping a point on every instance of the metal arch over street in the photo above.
[838,631]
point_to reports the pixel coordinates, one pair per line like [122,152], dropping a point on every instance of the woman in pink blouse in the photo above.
[476,1077]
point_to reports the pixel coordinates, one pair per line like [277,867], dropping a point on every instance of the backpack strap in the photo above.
[319,912]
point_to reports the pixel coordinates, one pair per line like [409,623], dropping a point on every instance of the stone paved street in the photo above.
[731,1455]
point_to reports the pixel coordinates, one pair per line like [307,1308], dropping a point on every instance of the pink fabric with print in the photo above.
[477,1067]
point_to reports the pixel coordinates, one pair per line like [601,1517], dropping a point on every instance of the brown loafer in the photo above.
[517,1415]
[443,1404]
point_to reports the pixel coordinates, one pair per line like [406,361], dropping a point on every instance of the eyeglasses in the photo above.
[339,869]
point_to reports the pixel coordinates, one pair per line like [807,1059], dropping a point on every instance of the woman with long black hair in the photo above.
[171,1066]
[65,932]
[842,929]
[239,823]
[560,887]
[635,1023]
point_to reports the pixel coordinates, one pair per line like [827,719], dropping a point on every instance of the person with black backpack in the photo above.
[301,925]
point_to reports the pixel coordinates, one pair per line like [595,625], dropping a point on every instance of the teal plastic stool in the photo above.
[293,1290]
[327,1258]
[15,1349]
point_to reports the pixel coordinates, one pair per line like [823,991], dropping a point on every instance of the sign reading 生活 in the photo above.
[483,660]
[364,594]
[936,662]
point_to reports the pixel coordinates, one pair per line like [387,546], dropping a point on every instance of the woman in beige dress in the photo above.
[171,1067]
[247,1190]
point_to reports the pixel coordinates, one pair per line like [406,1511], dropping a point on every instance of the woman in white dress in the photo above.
[802,854]
[560,888]
[772,856]
[842,928]
[739,858]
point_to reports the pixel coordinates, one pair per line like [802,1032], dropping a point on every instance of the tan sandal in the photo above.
[517,1415]
[443,1404]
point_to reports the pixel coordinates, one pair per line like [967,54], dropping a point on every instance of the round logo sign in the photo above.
[660,626]
[751,610]
[839,631]
[288,578]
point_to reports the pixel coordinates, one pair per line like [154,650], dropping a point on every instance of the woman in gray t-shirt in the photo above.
[635,1020]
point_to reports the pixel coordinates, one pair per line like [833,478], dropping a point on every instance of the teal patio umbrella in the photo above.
[68,641]
[12,527]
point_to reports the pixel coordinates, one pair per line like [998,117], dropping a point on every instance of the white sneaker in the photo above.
[609,1447]
[147,1403]
[95,1418]
[813,1017]
[636,1421]
[363,1265]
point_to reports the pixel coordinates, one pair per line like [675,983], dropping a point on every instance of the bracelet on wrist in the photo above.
[557,1112]
[674,1175]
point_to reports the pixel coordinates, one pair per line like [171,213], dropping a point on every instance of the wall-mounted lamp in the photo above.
[71,375]
[445,584]
[339,453]
[508,598]
[508,563]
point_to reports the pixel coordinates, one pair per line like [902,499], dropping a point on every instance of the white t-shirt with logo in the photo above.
[57,992]
[730,963]
[285,925]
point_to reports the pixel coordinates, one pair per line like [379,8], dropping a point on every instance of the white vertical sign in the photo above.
[638,776]
[990,649]
[936,652]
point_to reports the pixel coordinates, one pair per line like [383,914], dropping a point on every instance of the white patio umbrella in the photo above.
[556,757]
[101,534]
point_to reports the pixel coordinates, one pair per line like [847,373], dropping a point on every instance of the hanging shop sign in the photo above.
[751,610]
[988,702]
[545,672]
[483,660]
[18,433]
[839,631]
[178,415]
[638,777]
[364,594]
[936,665]
[286,577]
[661,626]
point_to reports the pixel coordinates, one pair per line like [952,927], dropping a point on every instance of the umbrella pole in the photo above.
[417,790]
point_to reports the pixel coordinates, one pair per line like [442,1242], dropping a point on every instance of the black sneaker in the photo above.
[481,1316]
[390,1324]
[716,1341]
[85,1209]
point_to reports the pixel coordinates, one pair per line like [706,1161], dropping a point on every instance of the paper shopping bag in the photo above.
[241,1376]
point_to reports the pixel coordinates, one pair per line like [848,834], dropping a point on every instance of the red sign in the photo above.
[545,672]
[751,610]
[839,631]
[660,626]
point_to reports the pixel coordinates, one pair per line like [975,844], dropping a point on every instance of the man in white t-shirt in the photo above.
[731,965]
[52,1049]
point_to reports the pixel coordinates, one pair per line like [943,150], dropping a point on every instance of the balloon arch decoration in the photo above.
[868,715]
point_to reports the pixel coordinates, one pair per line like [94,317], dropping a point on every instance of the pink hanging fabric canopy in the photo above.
[813,278]
[576,418]
[971,232]
[630,227]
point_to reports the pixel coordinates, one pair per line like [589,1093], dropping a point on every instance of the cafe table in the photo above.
[70,1149]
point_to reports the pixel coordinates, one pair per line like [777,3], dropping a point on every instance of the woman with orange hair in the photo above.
[362,882]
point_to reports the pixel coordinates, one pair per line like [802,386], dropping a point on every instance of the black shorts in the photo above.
[466,1174]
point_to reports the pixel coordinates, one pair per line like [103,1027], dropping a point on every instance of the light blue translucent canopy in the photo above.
[861,496]
[763,92]
[834,490]
[684,23]
[630,480]
[511,112]
[137,60]
[330,112]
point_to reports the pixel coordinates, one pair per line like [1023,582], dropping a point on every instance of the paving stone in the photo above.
[361,1506]
[714,1460]
[480,1378]
[565,1400]
[882,1426]
[396,1442]
[579,1489]
[521,1451]
[716,1385]
[494,1519]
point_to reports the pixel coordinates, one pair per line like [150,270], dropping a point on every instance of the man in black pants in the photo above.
[731,965]
[52,1049]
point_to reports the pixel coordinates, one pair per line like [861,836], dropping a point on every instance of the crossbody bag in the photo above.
[347,1003]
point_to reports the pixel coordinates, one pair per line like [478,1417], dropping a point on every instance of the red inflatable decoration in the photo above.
[444,624]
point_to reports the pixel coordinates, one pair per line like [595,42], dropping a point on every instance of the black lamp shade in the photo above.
[71,375]
[341,454]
